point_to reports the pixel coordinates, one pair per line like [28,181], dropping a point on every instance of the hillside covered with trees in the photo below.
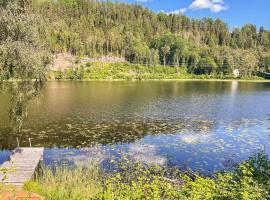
[89,28]
[95,28]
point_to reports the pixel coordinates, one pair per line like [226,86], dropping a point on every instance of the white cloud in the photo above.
[217,8]
[213,5]
[176,12]
[147,153]
[180,11]
[195,139]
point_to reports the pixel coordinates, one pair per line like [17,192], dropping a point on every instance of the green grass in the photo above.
[127,71]
[68,183]
[249,181]
[122,71]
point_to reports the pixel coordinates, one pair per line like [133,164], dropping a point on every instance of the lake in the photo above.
[202,125]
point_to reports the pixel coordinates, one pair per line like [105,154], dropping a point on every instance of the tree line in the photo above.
[96,28]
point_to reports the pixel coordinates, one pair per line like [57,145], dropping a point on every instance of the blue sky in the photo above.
[234,12]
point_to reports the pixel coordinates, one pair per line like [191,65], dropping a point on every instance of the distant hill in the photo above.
[98,28]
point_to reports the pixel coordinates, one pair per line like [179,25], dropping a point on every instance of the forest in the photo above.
[98,28]
[104,28]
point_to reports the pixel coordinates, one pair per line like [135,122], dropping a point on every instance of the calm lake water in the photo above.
[206,126]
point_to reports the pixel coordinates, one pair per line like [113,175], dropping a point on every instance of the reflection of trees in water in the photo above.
[80,134]
[23,58]
[20,93]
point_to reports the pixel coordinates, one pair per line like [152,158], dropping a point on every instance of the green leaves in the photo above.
[22,55]
[22,58]
[138,181]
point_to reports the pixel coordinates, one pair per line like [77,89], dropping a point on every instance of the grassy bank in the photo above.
[127,71]
[249,180]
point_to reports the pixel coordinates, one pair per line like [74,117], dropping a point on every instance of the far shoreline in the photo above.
[161,80]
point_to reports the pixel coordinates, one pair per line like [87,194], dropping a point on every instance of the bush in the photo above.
[250,180]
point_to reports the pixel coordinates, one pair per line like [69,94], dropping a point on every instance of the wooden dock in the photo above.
[21,166]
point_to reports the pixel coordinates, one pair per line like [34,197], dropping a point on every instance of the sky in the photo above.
[235,13]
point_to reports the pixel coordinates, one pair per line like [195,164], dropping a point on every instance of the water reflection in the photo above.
[72,156]
[195,139]
[146,153]
[78,134]
[207,126]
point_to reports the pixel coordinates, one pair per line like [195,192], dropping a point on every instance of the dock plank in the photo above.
[21,166]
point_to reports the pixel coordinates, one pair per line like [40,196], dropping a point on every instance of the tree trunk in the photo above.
[177,61]
[164,60]
[107,47]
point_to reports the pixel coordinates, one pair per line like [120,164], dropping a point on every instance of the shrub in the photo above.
[250,180]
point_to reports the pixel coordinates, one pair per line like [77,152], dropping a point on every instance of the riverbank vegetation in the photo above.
[249,180]
[128,71]
[121,71]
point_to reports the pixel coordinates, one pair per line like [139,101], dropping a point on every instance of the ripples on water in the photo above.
[206,126]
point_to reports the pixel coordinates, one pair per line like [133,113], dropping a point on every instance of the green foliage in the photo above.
[127,71]
[68,183]
[206,66]
[4,171]
[250,180]
[97,28]
[23,57]
[144,186]
[122,71]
